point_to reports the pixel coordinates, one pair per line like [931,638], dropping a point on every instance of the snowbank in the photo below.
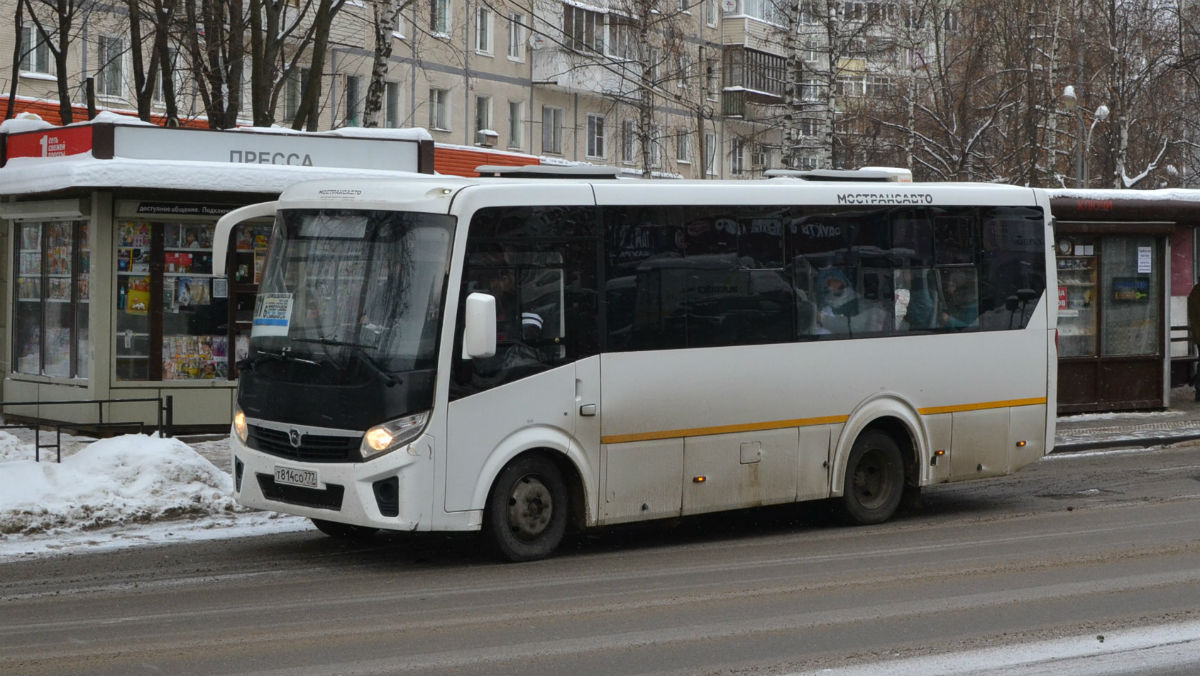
[129,479]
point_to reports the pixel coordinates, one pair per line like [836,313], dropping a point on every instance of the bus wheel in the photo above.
[343,531]
[526,513]
[874,479]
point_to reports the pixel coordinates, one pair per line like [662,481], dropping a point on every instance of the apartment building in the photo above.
[670,87]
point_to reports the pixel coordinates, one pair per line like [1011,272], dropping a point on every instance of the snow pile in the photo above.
[129,479]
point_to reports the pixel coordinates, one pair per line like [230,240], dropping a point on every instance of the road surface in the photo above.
[1084,561]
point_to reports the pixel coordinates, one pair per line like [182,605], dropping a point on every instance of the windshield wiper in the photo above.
[260,356]
[360,350]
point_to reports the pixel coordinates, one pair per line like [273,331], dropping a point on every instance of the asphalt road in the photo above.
[1077,545]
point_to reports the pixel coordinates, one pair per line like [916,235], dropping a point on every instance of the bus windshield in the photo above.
[350,298]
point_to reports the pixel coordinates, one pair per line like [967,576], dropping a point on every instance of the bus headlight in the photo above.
[392,434]
[239,424]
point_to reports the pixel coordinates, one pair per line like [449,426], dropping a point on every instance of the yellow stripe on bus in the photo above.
[802,422]
[982,406]
[723,429]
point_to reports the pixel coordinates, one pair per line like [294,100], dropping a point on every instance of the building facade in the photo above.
[678,88]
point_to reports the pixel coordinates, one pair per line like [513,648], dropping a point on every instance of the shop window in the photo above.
[172,319]
[50,335]
[1130,297]
[250,254]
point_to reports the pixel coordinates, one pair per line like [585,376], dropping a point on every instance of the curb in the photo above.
[1142,442]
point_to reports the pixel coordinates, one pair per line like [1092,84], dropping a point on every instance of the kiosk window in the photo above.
[171,314]
[50,334]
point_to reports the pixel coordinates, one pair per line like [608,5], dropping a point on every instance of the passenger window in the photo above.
[545,317]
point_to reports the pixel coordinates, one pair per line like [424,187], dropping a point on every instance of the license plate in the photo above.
[291,476]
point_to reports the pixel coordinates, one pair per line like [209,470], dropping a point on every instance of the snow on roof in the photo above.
[1162,194]
[381,133]
[24,176]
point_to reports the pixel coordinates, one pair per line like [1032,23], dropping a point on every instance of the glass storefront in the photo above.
[172,314]
[50,323]
[1131,297]
[1109,296]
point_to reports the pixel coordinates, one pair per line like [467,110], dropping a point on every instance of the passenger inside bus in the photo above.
[961,300]
[843,310]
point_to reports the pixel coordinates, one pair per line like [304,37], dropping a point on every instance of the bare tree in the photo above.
[216,47]
[308,113]
[385,16]
[158,16]
[1137,49]
[55,22]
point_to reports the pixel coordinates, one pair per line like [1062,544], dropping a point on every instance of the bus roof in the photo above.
[435,193]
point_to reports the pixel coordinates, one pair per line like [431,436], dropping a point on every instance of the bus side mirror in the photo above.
[479,329]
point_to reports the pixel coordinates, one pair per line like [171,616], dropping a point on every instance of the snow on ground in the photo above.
[119,492]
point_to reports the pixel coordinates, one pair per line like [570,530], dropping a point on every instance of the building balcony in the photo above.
[747,104]
[582,71]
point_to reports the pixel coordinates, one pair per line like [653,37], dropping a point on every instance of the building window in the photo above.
[111,75]
[810,89]
[439,109]
[483,112]
[176,76]
[583,28]
[655,150]
[683,146]
[50,328]
[439,17]
[710,153]
[35,53]
[760,156]
[710,12]
[850,87]
[685,70]
[809,126]
[516,36]
[483,31]
[297,82]
[595,135]
[516,127]
[810,12]
[627,139]
[736,168]
[552,128]
[879,86]
[622,43]
[765,10]
[353,101]
[391,94]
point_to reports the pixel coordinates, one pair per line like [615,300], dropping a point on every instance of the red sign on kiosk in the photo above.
[56,142]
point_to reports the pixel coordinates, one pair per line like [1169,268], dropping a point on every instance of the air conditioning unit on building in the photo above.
[486,138]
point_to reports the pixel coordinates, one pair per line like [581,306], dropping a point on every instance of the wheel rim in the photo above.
[530,508]
[871,482]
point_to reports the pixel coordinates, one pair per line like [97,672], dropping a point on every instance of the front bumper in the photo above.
[392,491]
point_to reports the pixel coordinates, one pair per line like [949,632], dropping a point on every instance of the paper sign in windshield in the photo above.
[272,314]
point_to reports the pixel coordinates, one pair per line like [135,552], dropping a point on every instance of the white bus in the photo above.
[524,356]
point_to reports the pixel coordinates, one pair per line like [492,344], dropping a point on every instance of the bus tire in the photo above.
[874,482]
[343,531]
[526,514]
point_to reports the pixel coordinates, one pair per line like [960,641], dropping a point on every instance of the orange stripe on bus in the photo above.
[802,422]
[723,429]
[982,406]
